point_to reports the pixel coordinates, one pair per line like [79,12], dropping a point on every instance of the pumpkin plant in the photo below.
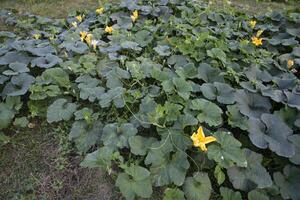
[170,94]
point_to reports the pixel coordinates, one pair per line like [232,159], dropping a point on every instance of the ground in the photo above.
[41,163]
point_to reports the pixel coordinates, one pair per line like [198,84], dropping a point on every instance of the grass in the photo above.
[41,163]
[255,7]
[60,8]
[50,8]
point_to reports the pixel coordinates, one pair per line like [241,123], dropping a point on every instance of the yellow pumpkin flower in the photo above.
[94,44]
[258,34]
[199,139]
[74,24]
[37,36]
[83,34]
[79,18]
[99,10]
[88,39]
[256,41]
[134,16]
[290,63]
[252,23]
[109,29]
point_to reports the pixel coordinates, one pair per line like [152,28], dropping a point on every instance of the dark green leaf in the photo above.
[60,110]
[198,187]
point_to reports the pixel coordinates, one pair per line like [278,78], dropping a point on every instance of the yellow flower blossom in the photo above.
[83,34]
[134,16]
[252,23]
[88,39]
[37,36]
[94,44]
[74,24]
[109,29]
[290,63]
[79,18]
[258,34]
[199,139]
[99,10]
[256,41]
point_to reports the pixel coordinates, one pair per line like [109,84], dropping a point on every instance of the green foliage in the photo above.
[173,194]
[197,187]
[209,112]
[135,181]
[228,194]
[228,152]
[60,110]
[134,97]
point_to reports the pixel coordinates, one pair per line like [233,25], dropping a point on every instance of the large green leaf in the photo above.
[18,85]
[209,112]
[252,104]
[175,136]
[131,46]
[57,76]
[217,53]
[135,182]
[219,175]
[288,182]
[197,187]
[8,109]
[89,88]
[173,194]
[21,122]
[250,177]
[117,136]
[140,145]
[209,74]
[167,169]
[271,132]
[100,158]
[235,118]
[227,152]
[257,194]
[183,87]
[163,50]
[221,92]
[114,95]
[295,140]
[60,110]
[143,38]
[85,135]
[228,194]
[289,116]
[46,62]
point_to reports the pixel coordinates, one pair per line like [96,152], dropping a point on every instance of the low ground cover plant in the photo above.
[164,94]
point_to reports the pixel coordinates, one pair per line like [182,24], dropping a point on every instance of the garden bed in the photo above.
[168,96]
